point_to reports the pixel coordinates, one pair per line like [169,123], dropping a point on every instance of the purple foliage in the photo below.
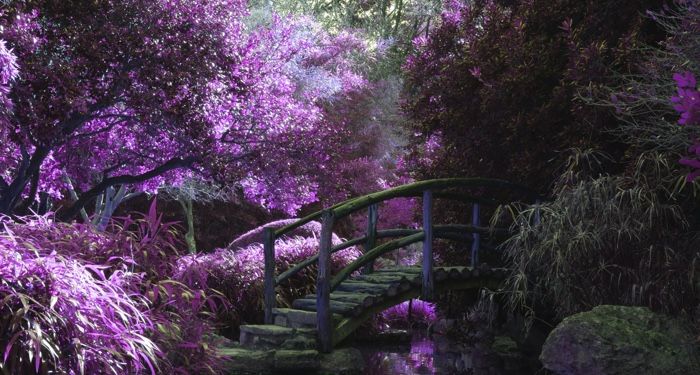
[687,103]
[238,274]
[188,87]
[310,229]
[180,318]
[422,315]
[60,314]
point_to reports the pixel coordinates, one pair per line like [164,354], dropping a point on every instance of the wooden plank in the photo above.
[336,307]
[389,278]
[364,299]
[428,287]
[455,272]
[440,274]
[269,251]
[372,216]
[323,286]
[467,272]
[399,270]
[364,287]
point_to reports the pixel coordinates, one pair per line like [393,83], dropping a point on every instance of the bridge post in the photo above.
[476,221]
[428,290]
[372,216]
[323,285]
[269,250]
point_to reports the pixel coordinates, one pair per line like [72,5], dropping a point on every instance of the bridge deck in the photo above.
[357,299]
[363,292]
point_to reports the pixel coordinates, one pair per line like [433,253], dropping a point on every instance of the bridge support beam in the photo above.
[324,324]
[428,288]
[476,221]
[269,250]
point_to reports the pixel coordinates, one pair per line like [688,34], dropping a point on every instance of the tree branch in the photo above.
[89,195]
[32,194]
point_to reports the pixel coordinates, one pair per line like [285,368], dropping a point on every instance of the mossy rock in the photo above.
[621,340]
[247,361]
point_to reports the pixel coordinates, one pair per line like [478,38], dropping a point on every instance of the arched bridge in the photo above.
[345,300]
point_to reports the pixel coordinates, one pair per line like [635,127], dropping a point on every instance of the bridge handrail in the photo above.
[376,252]
[417,189]
[414,189]
[443,230]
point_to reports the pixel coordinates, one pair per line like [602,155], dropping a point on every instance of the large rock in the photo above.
[621,340]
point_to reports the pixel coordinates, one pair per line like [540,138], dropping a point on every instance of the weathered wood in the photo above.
[428,288]
[372,216]
[323,287]
[440,274]
[476,214]
[456,272]
[364,299]
[416,189]
[308,218]
[353,286]
[399,270]
[456,232]
[389,278]
[375,253]
[336,307]
[467,272]
[269,251]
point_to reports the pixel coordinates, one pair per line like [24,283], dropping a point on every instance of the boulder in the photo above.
[621,340]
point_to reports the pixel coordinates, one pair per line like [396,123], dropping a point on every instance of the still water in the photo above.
[417,357]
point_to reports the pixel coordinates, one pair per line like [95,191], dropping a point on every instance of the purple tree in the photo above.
[140,92]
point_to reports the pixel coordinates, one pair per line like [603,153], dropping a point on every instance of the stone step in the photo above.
[268,336]
[336,307]
[295,318]
[364,299]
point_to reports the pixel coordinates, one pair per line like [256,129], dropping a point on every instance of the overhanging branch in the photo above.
[86,197]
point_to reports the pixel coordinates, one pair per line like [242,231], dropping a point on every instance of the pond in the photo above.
[419,356]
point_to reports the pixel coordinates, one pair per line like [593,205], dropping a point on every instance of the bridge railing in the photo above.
[428,190]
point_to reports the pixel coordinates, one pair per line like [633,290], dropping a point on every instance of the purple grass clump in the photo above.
[238,274]
[57,314]
[422,314]
[310,229]
[181,319]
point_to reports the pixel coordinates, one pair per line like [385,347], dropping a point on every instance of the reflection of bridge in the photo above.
[344,301]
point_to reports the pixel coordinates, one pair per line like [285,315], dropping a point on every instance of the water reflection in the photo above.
[417,358]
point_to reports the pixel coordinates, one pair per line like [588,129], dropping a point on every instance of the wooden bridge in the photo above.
[344,301]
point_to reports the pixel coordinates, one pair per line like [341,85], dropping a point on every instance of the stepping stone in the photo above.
[296,360]
[268,336]
[294,318]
